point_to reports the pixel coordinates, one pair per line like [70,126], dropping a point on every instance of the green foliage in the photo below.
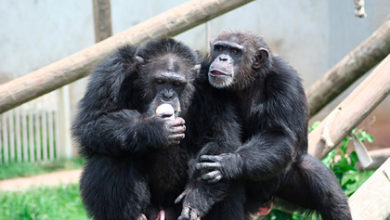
[278,214]
[344,167]
[314,125]
[28,169]
[61,202]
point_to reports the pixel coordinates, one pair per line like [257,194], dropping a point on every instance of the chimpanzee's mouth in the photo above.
[219,73]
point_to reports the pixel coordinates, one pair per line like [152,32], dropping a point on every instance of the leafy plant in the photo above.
[343,163]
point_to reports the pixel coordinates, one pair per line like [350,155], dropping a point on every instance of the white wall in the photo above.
[311,35]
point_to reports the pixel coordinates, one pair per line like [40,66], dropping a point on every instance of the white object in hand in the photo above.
[165,111]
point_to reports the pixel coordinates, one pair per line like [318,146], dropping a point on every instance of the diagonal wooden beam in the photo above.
[348,114]
[350,68]
[372,199]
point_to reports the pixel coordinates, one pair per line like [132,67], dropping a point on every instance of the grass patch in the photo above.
[62,202]
[29,169]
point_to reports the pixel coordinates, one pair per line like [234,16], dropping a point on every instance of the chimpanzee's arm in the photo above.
[105,120]
[127,129]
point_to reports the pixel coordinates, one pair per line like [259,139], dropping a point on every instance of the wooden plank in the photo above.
[2,142]
[37,127]
[11,130]
[4,126]
[24,132]
[76,66]
[102,19]
[31,135]
[350,68]
[57,135]
[372,199]
[44,135]
[51,135]
[64,124]
[18,135]
[348,114]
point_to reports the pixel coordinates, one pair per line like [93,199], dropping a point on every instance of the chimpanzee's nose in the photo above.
[222,58]
[168,94]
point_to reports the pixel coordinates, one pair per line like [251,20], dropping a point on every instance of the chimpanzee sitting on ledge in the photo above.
[139,105]
[273,159]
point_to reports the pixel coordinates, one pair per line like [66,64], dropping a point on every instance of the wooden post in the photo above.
[63,125]
[372,199]
[351,111]
[102,19]
[349,69]
[103,30]
[78,65]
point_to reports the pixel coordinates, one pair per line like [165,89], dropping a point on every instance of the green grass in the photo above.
[29,169]
[49,203]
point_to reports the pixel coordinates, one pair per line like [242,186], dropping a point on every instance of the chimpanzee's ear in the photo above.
[196,69]
[261,58]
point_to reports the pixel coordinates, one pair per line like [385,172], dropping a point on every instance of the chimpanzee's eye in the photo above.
[235,51]
[177,83]
[159,81]
[218,48]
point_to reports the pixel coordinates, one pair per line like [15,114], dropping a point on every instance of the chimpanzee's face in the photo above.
[169,81]
[235,59]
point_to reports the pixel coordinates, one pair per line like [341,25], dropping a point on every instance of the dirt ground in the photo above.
[48,179]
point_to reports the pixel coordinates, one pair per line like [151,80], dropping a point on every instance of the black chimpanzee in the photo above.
[273,159]
[137,158]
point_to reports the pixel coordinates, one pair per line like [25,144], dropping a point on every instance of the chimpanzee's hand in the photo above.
[174,130]
[189,213]
[216,167]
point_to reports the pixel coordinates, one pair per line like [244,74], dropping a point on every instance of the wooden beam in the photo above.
[78,65]
[372,199]
[378,158]
[349,69]
[348,114]
[102,19]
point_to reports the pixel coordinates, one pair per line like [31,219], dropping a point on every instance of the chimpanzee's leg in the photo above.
[113,189]
[310,184]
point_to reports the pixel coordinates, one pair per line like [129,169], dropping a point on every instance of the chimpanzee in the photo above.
[136,150]
[273,159]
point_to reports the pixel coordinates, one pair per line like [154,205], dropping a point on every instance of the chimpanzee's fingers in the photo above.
[178,129]
[142,217]
[185,213]
[180,197]
[193,215]
[177,137]
[213,176]
[214,158]
[207,165]
[177,122]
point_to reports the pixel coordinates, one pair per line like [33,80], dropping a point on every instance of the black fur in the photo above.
[273,159]
[133,168]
